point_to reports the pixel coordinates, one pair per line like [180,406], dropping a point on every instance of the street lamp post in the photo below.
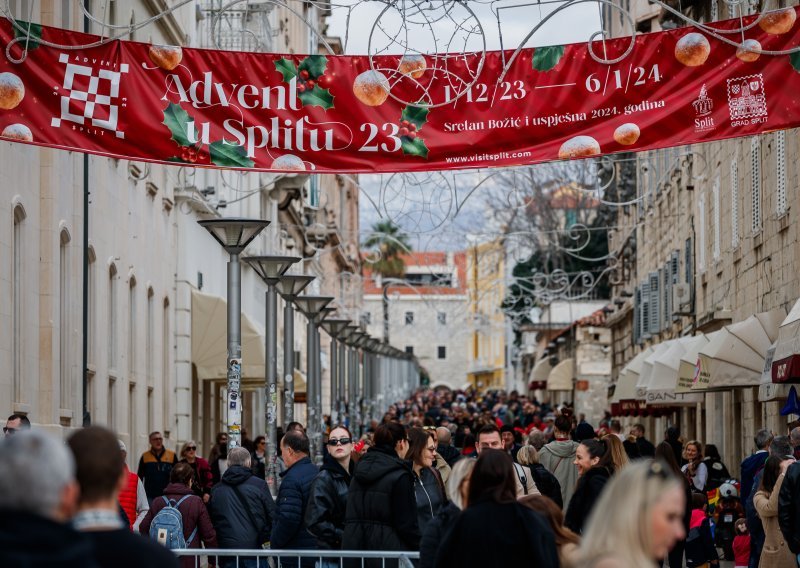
[289,286]
[312,307]
[270,269]
[333,327]
[341,393]
[234,234]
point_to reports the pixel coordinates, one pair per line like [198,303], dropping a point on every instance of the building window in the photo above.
[112,318]
[132,412]
[166,389]
[409,318]
[18,301]
[111,405]
[410,349]
[367,318]
[780,142]
[715,197]
[735,202]
[132,328]
[64,351]
[442,318]
[441,352]
[701,234]
[755,158]
[148,346]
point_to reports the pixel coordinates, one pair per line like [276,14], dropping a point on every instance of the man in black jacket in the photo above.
[38,495]
[241,508]
[445,448]
[789,508]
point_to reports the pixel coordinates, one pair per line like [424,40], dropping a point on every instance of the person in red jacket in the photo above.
[741,544]
[132,498]
[202,471]
[193,512]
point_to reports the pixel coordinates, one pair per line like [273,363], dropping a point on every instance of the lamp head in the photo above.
[234,233]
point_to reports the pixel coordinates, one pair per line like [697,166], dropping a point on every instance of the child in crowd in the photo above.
[700,549]
[741,545]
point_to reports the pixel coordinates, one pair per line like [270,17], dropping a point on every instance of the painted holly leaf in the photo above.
[286,68]
[229,155]
[415,147]
[315,65]
[546,58]
[28,32]
[416,115]
[177,120]
[317,97]
[795,60]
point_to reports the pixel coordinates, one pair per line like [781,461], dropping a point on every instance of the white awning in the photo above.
[646,372]
[768,390]
[210,343]
[541,370]
[735,357]
[783,355]
[560,378]
[664,377]
[687,367]
[629,376]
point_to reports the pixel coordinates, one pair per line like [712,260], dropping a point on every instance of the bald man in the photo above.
[445,448]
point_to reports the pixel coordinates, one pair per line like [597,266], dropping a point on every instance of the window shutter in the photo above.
[715,196]
[654,303]
[755,158]
[735,202]
[689,260]
[637,315]
[780,142]
[645,309]
[701,233]
[666,296]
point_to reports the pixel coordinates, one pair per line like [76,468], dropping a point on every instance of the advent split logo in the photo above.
[703,107]
[747,100]
[90,96]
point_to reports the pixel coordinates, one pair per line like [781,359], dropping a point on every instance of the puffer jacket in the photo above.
[558,457]
[37,542]
[429,496]
[381,507]
[590,486]
[434,534]
[327,503]
[233,525]
[547,483]
[289,529]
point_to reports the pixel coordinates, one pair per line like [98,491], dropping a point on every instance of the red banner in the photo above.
[337,114]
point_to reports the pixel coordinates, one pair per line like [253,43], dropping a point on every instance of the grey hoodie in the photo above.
[558,458]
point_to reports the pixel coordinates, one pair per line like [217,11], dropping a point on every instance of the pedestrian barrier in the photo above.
[264,558]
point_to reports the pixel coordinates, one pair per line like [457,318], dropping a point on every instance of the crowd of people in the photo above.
[465,479]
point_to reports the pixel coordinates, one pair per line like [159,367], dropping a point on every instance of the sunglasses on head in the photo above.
[339,441]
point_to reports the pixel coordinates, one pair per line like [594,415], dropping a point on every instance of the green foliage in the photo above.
[229,156]
[177,119]
[30,34]
[392,243]
[546,58]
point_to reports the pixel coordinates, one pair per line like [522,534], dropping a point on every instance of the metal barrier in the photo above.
[266,558]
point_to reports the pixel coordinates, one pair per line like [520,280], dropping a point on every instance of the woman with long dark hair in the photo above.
[775,553]
[566,541]
[494,516]
[327,501]
[428,484]
[593,460]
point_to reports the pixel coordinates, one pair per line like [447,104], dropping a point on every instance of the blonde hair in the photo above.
[619,458]
[527,455]
[619,525]
[186,445]
[461,470]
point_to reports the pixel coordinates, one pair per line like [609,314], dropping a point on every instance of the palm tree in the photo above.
[391,243]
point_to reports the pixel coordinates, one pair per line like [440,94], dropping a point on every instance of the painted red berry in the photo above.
[412,127]
[310,83]
[184,154]
[304,74]
[404,123]
[403,131]
[412,135]
[301,88]
[324,81]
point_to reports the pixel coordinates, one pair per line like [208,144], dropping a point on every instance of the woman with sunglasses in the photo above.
[327,500]
[638,519]
[201,484]
[428,483]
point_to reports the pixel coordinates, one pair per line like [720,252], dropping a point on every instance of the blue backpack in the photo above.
[167,525]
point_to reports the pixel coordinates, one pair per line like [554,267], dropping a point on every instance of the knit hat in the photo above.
[584,431]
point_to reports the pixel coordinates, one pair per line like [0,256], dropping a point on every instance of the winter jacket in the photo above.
[717,473]
[515,532]
[789,507]
[646,447]
[699,543]
[37,542]
[775,553]
[750,466]
[586,495]
[558,457]
[381,506]
[429,496]
[289,529]
[741,550]
[154,471]
[127,497]
[327,503]
[547,483]
[194,514]
[259,465]
[233,525]
[202,476]
[450,454]
[434,533]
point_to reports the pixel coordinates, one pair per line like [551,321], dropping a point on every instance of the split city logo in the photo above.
[90,96]
[747,100]
[703,107]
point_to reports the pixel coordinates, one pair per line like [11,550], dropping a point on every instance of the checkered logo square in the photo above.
[92,96]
